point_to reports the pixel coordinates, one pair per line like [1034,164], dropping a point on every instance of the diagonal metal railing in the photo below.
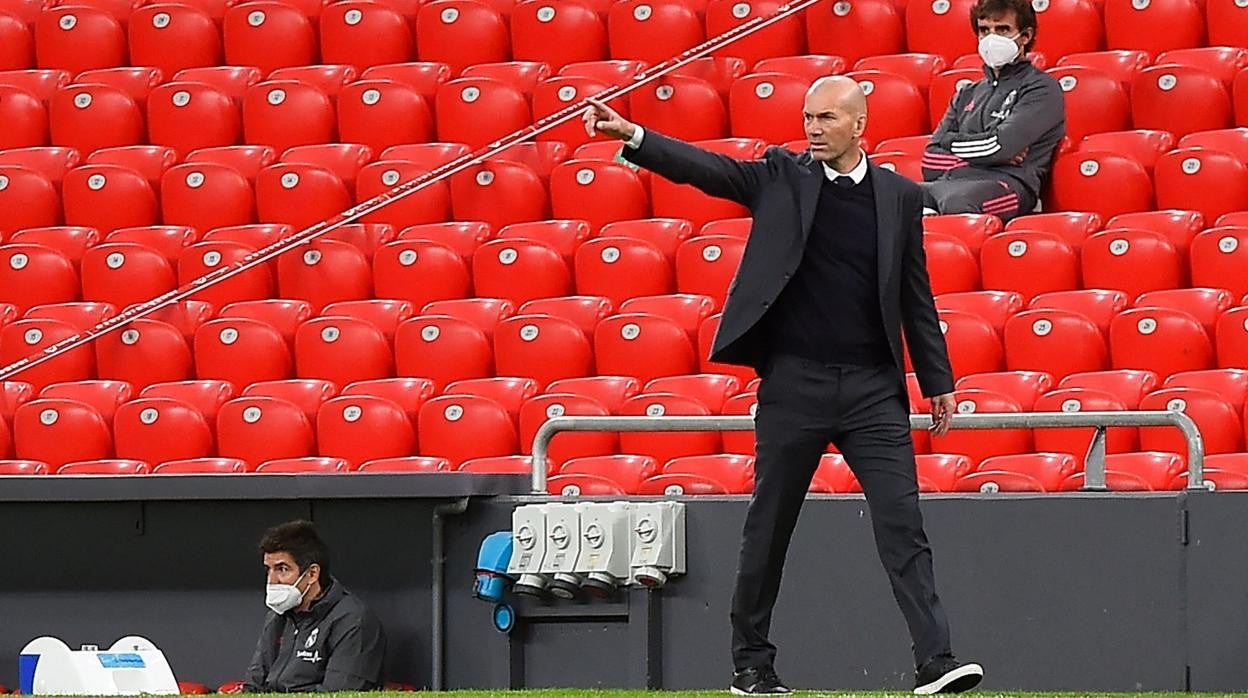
[1094,468]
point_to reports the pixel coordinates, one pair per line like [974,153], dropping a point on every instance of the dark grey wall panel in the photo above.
[1217,590]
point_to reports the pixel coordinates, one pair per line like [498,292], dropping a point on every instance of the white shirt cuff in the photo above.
[635,141]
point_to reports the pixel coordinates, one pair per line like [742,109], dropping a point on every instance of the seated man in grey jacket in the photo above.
[995,145]
[317,636]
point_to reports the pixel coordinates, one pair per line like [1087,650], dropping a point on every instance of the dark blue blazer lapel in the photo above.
[887,224]
[808,194]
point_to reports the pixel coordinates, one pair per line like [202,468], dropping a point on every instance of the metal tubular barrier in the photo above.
[401,191]
[1094,469]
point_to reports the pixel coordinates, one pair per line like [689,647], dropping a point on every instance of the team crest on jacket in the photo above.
[1006,106]
[311,638]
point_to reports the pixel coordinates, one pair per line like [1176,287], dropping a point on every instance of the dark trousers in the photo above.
[1002,197]
[802,406]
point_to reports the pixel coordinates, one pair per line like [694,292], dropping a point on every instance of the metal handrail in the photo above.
[1094,469]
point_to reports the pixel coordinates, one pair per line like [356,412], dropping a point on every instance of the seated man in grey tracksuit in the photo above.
[317,636]
[995,144]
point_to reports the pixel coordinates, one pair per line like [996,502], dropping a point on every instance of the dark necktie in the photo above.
[844,182]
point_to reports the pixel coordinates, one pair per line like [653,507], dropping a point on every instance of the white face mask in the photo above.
[997,50]
[281,598]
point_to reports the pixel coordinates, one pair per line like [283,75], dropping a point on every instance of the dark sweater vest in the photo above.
[830,310]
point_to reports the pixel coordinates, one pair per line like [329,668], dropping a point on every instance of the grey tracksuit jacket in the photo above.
[991,121]
[336,645]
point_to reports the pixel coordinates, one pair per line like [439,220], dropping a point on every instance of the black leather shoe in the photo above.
[758,682]
[946,675]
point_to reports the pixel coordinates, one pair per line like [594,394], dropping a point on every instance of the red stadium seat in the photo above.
[259,429]
[499,192]
[626,472]
[1160,340]
[710,389]
[33,275]
[324,272]
[1076,441]
[783,38]
[833,475]
[1227,23]
[81,315]
[994,306]
[18,43]
[299,195]
[459,427]
[1049,469]
[651,31]
[477,111]
[707,265]
[977,444]
[150,161]
[344,160]
[104,396]
[423,76]
[105,466]
[286,113]
[201,466]
[1204,304]
[308,394]
[688,311]
[974,346]
[755,101]
[124,274]
[42,84]
[241,351]
[1160,97]
[732,227]
[1155,26]
[683,201]
[660,106]
[420,271]
[432,204]
[740,441]
[208,257]
[664,447]
[108,197]
[57,431]
[71,241]
[1229,384]
[1098,305]
[90,117]
[169,240]
[543,348]
[499,465]
[951,265]
[322,343]
[364,34]
[361,428]
[939,472]
[535,412]
[26,114]
[407,464]
[205,396]
[1054,341]
[327,465]
[1180,226]
[944,87]
[485,313]
[383,113]
[1103,183]
[609,391]
[206,196]
[1132,261]
[1151,469]
[143,353]
[231,80]
[155,430]
[939,27]
[561,235]
[1024,387]
[645,346]
[268,35]
[971,228]
[23,467]
[856,30]
[1125,385]
[1096,102]
[173,37]
[585,312]
[520,270]
[1223,62]
[899,100]
[597,192]
[918,68]
[666,234]
[1029,263]
[51,162]
[557,35]
[26,338]
[735,473]
[1209,181]
[1072,26]
[329,79]
[556,94]
[189,115]
[442,349]
[283,315]
[1119,64]
[621,268]
[1218,258]
[510,392]
[461,33]
[1142,145]
[14,394]
[77,38]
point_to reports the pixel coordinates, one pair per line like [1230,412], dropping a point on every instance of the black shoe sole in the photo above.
[962,679]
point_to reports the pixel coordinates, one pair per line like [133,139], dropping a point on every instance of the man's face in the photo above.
[1003,24]
[831,130]
[280,568]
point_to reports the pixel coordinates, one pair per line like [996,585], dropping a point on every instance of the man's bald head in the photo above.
[840,90]
[835,115]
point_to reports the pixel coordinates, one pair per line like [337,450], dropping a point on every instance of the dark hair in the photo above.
[298,538]
[1022,9]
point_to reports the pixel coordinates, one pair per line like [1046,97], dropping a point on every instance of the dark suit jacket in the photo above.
[782,191]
